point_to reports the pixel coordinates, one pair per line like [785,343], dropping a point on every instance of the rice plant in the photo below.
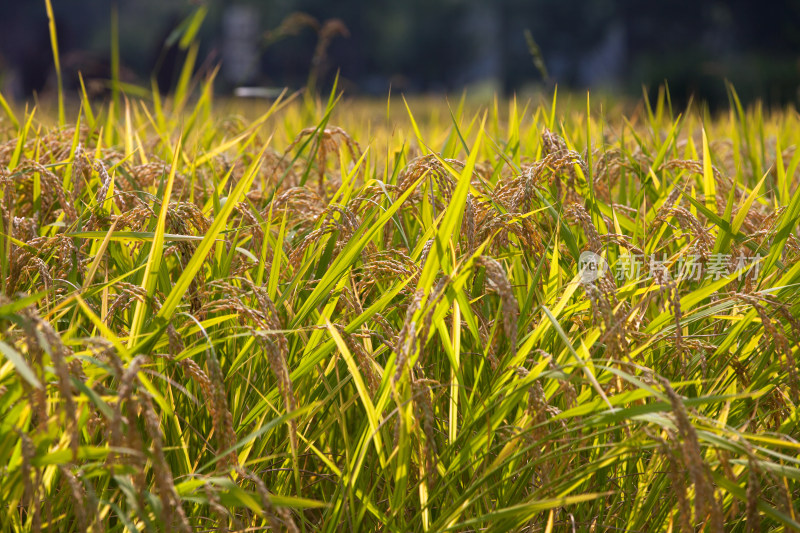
[326,315]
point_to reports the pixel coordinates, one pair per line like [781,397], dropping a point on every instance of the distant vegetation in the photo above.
[422,45]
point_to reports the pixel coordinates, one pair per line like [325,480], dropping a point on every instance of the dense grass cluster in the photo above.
[342,316]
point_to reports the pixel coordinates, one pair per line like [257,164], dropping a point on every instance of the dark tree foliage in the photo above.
[424,45]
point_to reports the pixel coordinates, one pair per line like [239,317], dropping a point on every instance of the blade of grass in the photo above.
[151,271]
[51,20]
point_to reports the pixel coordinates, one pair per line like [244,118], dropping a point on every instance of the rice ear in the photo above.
[498,282]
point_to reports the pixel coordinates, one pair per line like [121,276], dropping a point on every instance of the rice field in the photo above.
[322,314]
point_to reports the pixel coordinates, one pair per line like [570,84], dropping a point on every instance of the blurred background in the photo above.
[416,46]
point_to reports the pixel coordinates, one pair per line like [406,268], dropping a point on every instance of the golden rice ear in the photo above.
[325,142]
[707,506]
[752,495]
[173,514]
[278,517]
[498,282]
[223,420]
[423,407]
[677,476]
